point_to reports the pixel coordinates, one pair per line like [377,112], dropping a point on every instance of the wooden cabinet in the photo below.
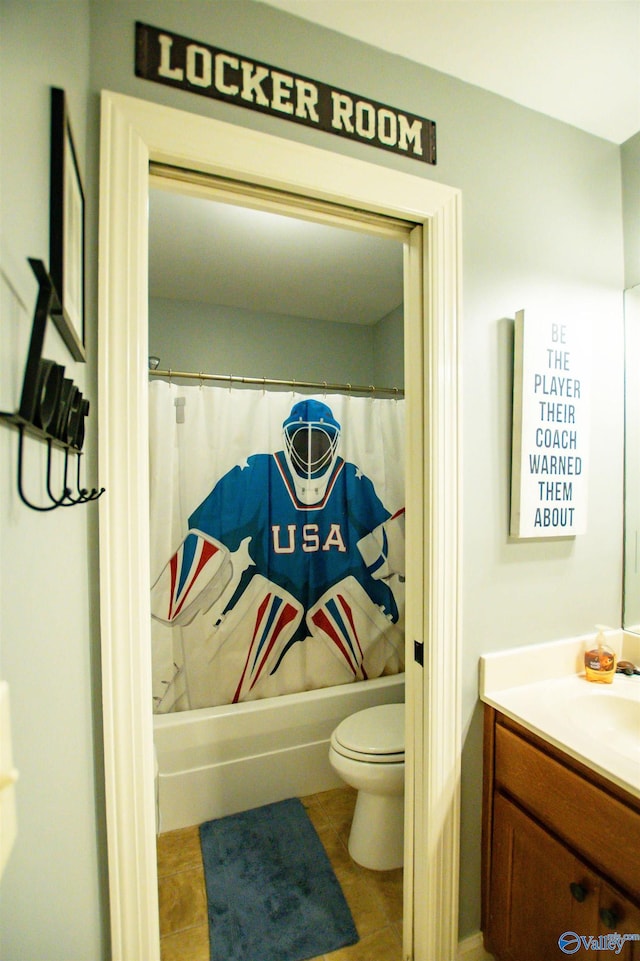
[618,914]
[561,854]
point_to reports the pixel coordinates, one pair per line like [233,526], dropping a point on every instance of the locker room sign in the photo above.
[168,58]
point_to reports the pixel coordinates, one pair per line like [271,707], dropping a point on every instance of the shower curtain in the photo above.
[277,542]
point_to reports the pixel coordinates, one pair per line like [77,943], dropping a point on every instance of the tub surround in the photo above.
[221,760]
[542,687]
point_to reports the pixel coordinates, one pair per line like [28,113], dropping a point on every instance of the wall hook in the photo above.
[65,500]
[23,498]
[84,495]
[57,502]
[52,409]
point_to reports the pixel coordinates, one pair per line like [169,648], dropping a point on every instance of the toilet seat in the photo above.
[375,735]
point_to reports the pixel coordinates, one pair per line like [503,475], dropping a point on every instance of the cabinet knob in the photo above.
[578,891]
[609,917]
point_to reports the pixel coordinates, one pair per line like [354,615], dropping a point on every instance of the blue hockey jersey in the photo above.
[305,549]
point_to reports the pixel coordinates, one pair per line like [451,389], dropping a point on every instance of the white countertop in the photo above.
[544,689]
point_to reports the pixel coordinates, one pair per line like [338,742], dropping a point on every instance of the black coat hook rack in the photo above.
[52,409]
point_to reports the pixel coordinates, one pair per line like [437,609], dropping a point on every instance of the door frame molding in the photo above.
[133,133]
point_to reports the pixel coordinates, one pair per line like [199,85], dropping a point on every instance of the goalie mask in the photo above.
[311,435]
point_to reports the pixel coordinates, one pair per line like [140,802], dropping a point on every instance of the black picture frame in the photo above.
[66,229]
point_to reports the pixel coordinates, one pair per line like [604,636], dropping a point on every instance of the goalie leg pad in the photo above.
[242,650]
[193,579]
[356,630]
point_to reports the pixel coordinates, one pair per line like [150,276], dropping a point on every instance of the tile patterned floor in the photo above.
[374,897]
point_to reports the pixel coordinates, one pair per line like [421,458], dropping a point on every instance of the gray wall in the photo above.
[542,230]
[388,349]
[630,155]
[53,900]
[225,340]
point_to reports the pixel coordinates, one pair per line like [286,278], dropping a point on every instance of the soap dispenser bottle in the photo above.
[600,660]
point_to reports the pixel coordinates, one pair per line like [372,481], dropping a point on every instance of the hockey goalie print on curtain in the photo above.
[277,542]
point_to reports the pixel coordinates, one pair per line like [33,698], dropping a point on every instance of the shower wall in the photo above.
[388,349]
[226,340]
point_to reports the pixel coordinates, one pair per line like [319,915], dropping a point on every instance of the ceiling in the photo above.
[216,253]
[575,60]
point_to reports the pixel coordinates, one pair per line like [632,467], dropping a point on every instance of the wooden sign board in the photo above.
[551,426]
[198,67]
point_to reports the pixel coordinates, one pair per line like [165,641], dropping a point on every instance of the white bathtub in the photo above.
[221,760]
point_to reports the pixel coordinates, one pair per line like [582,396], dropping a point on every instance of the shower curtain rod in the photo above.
[269,382]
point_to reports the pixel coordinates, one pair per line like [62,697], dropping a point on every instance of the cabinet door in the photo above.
[538,890]
[618,916]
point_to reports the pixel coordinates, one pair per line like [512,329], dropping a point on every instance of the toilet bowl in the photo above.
[367,752]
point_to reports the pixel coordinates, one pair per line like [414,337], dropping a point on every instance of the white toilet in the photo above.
[367,751]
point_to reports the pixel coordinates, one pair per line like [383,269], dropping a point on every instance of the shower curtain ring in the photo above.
[169,372]
[324,385]
[201,380]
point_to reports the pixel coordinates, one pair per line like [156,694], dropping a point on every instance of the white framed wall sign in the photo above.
[551,426]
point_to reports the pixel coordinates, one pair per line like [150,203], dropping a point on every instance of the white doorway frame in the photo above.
[134,133]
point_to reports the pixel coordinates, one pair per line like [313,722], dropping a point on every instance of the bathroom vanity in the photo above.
[561,850]
[561,816]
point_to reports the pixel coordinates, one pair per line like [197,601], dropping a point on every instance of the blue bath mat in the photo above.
[271,891]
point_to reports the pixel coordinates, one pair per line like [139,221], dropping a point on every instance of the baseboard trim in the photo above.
[472,949]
